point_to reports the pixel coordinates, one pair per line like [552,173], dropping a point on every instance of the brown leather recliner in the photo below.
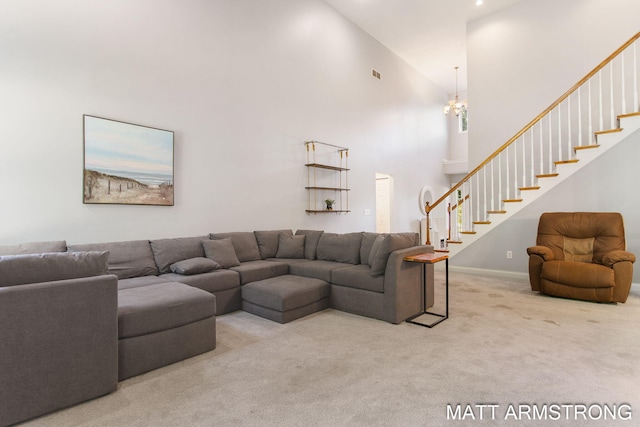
[581,255]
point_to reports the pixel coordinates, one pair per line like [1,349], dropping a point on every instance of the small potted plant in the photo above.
[329,203]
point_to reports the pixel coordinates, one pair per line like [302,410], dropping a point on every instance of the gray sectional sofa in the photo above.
[160,298]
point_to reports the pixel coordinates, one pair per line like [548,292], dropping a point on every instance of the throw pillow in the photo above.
[194,266]
[390,243]
[291,246]
[244,244]
[375,248]
[311,242]
[268,242]
[221,251]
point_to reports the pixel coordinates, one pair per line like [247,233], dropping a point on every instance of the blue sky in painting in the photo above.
[117,146]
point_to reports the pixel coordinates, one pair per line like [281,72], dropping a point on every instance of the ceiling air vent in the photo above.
[375,74]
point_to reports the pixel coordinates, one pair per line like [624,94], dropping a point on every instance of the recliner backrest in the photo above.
[581,236]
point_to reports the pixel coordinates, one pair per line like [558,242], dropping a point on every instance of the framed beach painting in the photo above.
[127,164]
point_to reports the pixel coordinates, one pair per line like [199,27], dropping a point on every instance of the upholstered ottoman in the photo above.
[285,298]
[161,324]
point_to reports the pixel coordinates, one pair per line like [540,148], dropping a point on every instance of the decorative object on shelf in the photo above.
[455,105]
[127,164]
[327,176]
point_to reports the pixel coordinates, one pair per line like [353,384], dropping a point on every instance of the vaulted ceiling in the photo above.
[430,35]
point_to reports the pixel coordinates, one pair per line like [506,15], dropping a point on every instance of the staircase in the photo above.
[598,112]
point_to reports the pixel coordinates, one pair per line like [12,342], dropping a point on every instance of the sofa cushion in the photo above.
[51,266]
[244,243]
[578,274]
[365,247]
[317,269]
[34,248]
[285,293]
[268,242]
[390,243]
[258,270]
[169,251]
[359,277]
[221,251]
[340,247]
[156,308]
[136,282]
[214,281]
[291,246]
[310,242]
[194,266]
[126,259]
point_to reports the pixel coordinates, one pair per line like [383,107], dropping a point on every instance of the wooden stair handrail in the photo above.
[534,121]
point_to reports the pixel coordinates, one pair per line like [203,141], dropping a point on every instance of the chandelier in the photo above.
[454,105]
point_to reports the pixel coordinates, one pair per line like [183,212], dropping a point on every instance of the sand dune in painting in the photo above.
[103,188]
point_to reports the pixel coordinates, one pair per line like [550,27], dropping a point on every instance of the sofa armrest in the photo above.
[58,345]
[542,251]
[403,284]
[614,257]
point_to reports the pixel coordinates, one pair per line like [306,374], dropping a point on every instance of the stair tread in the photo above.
[547,175]
[565,162]
[482,222]
[585,147]
[467,232]
[511,200]
[603,132]
[529,188]
[622,116]
[496,212]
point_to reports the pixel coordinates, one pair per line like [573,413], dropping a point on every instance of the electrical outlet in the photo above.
[509,254]
[367,211]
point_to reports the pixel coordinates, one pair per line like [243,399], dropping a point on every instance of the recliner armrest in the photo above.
[614,257]
[542,251]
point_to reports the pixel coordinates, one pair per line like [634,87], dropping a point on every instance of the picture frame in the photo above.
[127,164]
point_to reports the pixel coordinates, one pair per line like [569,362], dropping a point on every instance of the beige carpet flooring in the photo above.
[503,345]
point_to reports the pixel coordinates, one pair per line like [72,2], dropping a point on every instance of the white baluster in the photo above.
[624,95]
[499,180]
[478,195]
[636,106]
[484,193]
[492,203]
[515,168]
[579,118]
[613,122]
[590,130]
[541,149]
[532,175]
[569,146]
[560,157]
[506,152]
[524,161]
[600,100]
[550,144]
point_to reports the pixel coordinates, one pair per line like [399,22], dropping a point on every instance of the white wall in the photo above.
[243,83]
[520,61]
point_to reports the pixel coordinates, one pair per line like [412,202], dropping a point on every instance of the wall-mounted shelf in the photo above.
[327,177]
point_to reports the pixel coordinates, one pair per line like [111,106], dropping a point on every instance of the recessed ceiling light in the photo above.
[479,2]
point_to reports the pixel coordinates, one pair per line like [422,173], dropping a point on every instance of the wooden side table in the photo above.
[424,259]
